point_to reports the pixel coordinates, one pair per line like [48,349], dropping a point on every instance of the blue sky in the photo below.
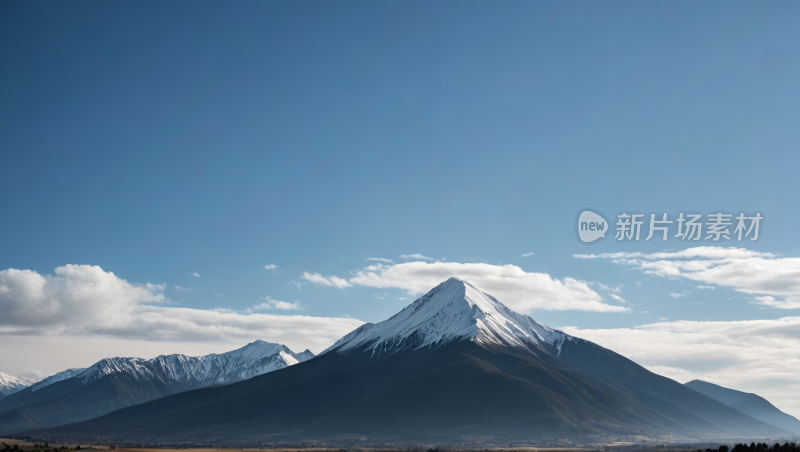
[160,140]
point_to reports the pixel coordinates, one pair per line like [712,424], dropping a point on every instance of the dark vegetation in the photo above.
[36,447]
[761,447]
[43,445]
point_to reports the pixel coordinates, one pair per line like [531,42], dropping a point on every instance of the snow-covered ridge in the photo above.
[63,375]
[249,361]
[10,384]
[452,311]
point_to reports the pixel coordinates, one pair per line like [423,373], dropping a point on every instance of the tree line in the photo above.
[761,447]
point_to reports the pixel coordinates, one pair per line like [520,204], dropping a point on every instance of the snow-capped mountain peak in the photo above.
[253,359]
[10,384]
[452,311]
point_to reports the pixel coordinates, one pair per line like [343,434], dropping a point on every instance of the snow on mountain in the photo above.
[69,373]
[452,311]
[10,384]
[304,356]
[249,361]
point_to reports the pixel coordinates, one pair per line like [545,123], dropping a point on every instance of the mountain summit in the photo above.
[452,311]
[455,365]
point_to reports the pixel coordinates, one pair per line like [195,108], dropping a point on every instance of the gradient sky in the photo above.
[161,140]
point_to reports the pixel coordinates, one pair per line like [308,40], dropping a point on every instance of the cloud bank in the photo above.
[84,300]
[416,256]
[740,269]
[519,290]
[277,304]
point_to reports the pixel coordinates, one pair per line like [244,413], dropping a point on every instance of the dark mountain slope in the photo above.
[110,393]
[414,394]
[30,397]
[110,384]
[447,393]
[751,404]
[655,391]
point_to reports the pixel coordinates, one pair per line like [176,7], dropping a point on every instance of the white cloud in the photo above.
[273,267]
[760,356]
[375,267]
[331,281]
[706,287]
[416,256]
[527,254]
[277,304]
[520,290]
[602,286]
[705,252]
[677,295]
[182,289]
[741,269]
[196,275]
[30,301]
[787,303]
[617,297]
[380,259]
[85,301]
[169,324]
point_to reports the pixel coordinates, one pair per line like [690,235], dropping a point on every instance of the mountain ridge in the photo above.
[10,384]
[751,404]
[114,383]
[453,365]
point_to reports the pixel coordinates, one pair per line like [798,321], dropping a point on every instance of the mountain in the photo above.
[749,404]
[55,378]
[456,365]
[452,312]
[10,384]
[110,384]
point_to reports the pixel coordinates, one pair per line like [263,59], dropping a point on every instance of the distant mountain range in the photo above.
[110,384]
[455,365]
[10,384]
[749,404]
